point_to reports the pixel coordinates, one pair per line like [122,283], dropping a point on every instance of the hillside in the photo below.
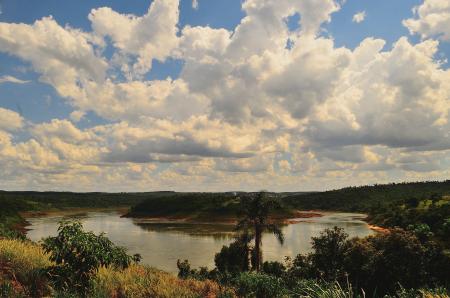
[363,198]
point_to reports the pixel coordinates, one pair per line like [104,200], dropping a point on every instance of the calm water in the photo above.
[161,244]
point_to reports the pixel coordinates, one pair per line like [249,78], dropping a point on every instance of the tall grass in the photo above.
[312,289]
[21,264]
[142,281]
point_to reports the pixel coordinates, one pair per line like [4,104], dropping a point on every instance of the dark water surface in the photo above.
[161,244]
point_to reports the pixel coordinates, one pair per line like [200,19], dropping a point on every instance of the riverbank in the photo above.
[71,211]
[292,217]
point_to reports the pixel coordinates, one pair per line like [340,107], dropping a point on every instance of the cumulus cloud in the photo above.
[64,57]
[10,120]
[245,112]
[359,17]
[152,36]
[431,18]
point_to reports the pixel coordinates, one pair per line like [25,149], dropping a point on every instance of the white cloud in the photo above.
[195,4]
[11,79]
[431,19]
[359,17]
[10,120]
[245,112]
[152,36]
[64,57]
[76,116]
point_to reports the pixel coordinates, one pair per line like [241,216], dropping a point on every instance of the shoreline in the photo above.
[297,216]
[71,210]
[378,229]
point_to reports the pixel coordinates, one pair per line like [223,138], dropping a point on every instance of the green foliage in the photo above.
[16,201]
[427,221]
[421,230]
[365,198]
[185,271]
[314,289]
[7,289]
[274,268]
[329,250]
[260,285]
[197,205]
[446,228]
[9,233]
[377,264]
[78,255]
[233,258]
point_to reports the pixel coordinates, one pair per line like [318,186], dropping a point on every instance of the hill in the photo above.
[364,198]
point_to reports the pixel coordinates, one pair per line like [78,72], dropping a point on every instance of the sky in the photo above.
[213,95]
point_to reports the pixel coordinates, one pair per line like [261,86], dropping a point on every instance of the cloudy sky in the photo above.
[212,95]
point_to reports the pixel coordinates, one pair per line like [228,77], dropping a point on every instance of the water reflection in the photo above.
[217,231]
[161,244]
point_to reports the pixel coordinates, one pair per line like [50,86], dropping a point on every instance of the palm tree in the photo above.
[255,211]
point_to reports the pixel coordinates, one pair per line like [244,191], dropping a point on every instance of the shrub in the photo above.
[79,254]
[329,250]
[260,285]
[233,258]
[8,233]
[274,268]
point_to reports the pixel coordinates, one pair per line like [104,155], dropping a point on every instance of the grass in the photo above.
[22,274]
[21,264]
[142,281]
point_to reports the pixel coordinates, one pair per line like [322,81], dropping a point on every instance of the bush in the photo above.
[78,255]
[274,268]
[233,258]
[8,233]
[378,264]
[185,271]
[329,250]
[260,285]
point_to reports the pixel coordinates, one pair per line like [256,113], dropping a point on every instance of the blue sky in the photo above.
[227,95]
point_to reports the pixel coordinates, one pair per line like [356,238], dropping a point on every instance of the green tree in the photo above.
[235,257]
[329,251]
[255,211]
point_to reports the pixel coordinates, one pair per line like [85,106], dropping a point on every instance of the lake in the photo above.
[161,244]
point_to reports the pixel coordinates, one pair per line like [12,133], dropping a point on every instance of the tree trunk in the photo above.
[258,247]
[247,257]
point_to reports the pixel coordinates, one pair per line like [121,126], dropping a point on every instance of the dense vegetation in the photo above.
[359,199]
[364,198]
[378,265]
